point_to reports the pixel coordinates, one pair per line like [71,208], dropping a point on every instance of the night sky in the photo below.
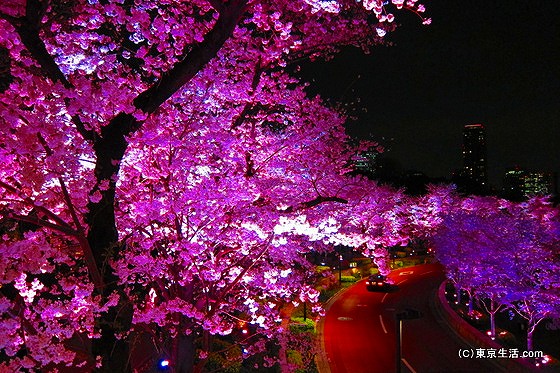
[493,62]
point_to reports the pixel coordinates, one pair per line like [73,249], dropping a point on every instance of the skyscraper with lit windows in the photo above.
[475,174]
[519,184]
[538,183]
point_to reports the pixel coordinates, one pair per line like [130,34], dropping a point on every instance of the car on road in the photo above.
[377,282]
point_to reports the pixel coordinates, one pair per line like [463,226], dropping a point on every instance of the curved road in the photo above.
[359,330]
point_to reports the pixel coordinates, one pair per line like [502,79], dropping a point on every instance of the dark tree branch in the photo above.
[248,106]
[149,100]
[111,145]
[93,269]
[321,199]
[82,130]
[31,203]
[218,5]
[28,30]
[315,202]
[250,170]
[10,19]
[34,11]
[39,222]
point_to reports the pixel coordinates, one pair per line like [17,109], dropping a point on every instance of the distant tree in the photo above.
[456,245]
[535,296]
[495,279]
[171,173]
[505,252]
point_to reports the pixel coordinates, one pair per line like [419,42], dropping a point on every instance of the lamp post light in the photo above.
[406,314]
[340,269]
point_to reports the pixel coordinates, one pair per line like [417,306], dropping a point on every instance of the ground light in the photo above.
[163,364]
[545,360]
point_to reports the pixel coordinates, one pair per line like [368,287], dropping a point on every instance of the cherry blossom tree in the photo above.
[495,280]
[505,252]
[456,245]
[535,296]
[484,225]
[164,176]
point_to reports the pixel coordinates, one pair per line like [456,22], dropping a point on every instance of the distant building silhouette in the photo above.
[539,184]
[366,162]
[388,171]
[519,184]
[513,183]
[473,177]
[377,166]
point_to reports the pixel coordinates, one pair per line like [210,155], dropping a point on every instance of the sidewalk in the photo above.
[475,339]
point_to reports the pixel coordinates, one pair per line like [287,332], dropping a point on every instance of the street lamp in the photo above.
[406,314]
[340,269]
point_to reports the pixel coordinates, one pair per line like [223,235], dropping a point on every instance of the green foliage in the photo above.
[321,269]
[348,279]
[226,357]
[299,325]
[325,295]
[257,363]
[294,357]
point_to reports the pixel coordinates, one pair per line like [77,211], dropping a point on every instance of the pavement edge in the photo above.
[473,337]
[321,359]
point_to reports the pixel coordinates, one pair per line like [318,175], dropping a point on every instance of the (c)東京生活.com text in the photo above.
[500,353]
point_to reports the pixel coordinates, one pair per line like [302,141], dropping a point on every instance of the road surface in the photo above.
[360,330]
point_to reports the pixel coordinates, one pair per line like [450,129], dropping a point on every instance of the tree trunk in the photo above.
[286,314]
[103,240]
[493,325]
[109,149]
[184,353]
[530,339]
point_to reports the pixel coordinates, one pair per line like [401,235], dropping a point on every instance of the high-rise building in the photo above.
[521,184]
[513,184]
[474,171]
[366,162]
[539,184]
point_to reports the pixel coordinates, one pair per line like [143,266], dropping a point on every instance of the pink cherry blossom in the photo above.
[164,177]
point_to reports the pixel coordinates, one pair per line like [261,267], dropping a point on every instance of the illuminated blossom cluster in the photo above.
[164,176]
[505,255]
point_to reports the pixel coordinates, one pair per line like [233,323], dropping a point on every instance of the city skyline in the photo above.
[478,62]
[474,170]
